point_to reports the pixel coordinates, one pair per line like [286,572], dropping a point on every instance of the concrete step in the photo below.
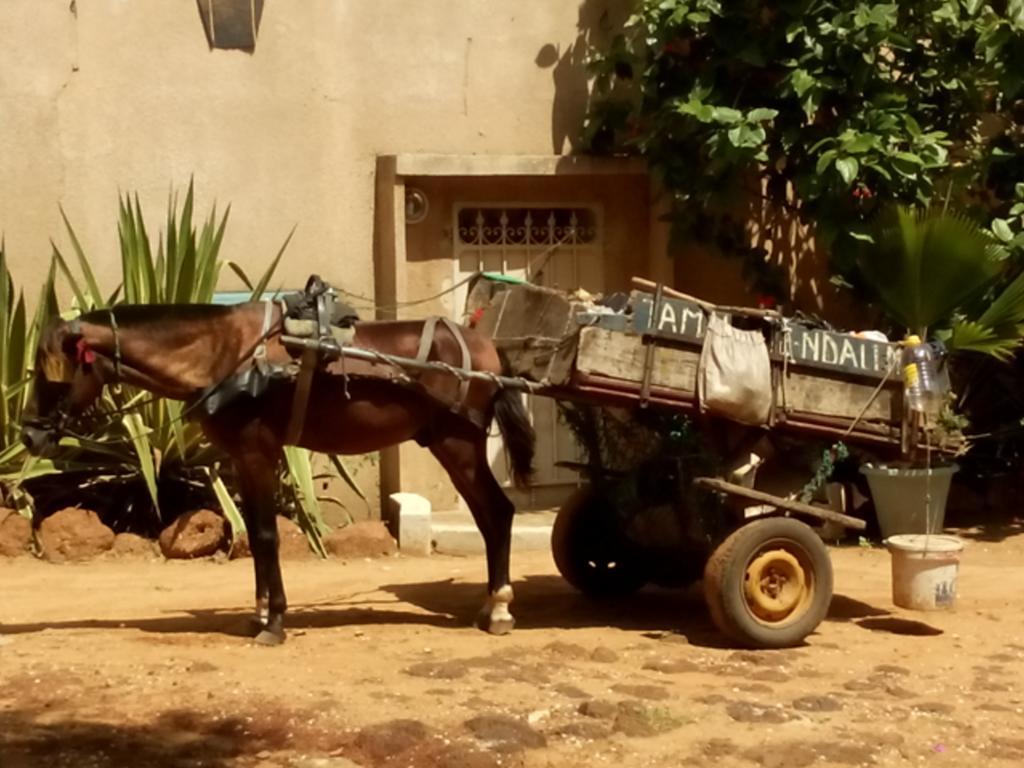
[455,533]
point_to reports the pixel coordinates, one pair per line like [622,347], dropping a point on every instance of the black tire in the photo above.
[590,553]
[769,584]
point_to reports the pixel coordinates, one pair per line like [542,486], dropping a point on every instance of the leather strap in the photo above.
[426,338]
[466,363]
[300,401]
[427,342]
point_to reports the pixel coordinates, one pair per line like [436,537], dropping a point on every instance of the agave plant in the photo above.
[17,355]
[148,439]
[939,271]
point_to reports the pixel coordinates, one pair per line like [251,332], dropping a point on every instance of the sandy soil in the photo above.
[140,663]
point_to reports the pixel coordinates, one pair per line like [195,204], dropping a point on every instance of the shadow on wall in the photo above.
[598,22]
[791,248]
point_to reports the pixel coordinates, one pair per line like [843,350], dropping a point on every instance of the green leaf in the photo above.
[973,336]
[310,520]
[72,281]
[144,451]
[825,161]
[227,504]
[860,143]
[1002,230]
[848,168]
[727,115]
[705,113]
[801,81]
[926,264]
[347,476]
[83,264]
[264,281]
[762,113]
[241,275]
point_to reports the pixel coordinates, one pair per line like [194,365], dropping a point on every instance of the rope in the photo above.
[371,304]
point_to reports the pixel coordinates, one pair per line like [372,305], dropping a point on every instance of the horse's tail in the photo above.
[516,430]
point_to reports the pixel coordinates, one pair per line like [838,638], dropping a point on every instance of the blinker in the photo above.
[56,369]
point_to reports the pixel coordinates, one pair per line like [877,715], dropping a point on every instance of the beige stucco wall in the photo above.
[102,96]
[105,95]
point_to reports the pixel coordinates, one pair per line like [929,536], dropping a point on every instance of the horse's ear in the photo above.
[69,334]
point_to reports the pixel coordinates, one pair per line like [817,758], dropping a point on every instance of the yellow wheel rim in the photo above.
[777,587]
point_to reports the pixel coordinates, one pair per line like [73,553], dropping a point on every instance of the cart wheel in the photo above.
[589,553]
[769,584]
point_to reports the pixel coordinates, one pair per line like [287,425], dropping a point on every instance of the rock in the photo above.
[770,676]
[15,533]
[791,755]
[570,691]
[384,740]
[718,748]
[195,534]
[441,670]
[650,692]
[505,734]
[133,545]
[604,655]
[566,650]
[74,534]
[900,692]
[464,756]
[748,712]
[292,542]
[323,762]
[817,704]
[934,707]
[584,731]
[672,666]
[365,539]
[892,669]
[239,547]
[635,720]
[601,710]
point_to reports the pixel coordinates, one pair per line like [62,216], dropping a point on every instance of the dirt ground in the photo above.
[144,663]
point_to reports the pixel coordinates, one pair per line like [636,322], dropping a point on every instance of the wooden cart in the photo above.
[655,506]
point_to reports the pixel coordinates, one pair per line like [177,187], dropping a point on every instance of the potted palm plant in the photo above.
[941,277]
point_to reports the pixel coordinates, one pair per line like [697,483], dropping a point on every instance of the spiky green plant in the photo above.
[17,356]
[939,271]
[147,439]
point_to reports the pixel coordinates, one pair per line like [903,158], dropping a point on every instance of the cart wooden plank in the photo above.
[821,394]
[621,356]
[790,505]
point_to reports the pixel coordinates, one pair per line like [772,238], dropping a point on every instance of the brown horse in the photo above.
[180,351]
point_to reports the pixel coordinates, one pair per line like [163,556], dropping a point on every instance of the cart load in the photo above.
[647,380]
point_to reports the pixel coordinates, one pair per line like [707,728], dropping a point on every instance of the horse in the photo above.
[188,352]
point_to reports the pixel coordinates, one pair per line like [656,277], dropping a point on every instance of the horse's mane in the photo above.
[131,315]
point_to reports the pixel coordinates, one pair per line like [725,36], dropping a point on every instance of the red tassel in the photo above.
[85,355]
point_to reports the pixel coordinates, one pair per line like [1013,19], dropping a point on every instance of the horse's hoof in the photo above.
[495,626]
[255,625]
[266,637]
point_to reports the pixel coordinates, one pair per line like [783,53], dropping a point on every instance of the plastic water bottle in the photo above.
[925,379]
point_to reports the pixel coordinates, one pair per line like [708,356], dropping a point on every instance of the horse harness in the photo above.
[316,315]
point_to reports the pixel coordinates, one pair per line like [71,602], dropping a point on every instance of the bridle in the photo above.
[60,415]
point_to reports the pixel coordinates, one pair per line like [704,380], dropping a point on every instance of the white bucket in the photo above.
[924,570]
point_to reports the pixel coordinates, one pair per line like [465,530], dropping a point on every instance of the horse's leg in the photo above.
[464,457]
[257,471]
[262,612]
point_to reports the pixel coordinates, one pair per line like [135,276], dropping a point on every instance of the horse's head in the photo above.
[66,384]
